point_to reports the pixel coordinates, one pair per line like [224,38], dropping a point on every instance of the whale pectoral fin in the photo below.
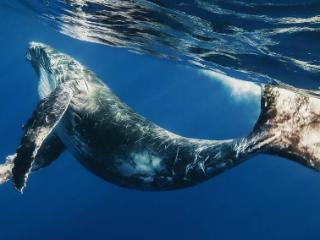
[43,121]
[6,169]
[288,126]
[50,150]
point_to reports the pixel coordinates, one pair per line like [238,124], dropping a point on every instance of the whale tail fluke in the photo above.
[6,169]
[288,125]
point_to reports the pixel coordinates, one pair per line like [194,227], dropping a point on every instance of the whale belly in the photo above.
[108,153]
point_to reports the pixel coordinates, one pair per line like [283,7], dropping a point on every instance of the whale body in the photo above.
[79,113]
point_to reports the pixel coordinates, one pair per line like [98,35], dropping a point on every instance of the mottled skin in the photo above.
[122,147]
[78,112]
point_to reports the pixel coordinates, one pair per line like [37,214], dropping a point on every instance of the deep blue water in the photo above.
[263,198]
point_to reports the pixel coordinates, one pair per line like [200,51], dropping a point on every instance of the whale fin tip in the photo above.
[288,126]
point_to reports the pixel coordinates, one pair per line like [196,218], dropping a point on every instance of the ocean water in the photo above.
[162,58]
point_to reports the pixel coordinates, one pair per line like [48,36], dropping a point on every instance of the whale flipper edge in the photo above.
[37,130]
[289,125]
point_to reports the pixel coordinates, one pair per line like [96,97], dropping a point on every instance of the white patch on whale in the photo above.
[142,163]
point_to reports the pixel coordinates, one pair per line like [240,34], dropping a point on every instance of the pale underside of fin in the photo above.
[37,130]
[49,151]
[289,125]
[6,169]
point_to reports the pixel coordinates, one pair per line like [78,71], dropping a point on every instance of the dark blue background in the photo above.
[264,198]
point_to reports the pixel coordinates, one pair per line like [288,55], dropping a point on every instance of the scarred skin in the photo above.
[124,148]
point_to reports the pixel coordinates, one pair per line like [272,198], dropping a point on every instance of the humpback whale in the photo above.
[78,112]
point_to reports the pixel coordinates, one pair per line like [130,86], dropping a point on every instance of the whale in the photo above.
[79,113]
